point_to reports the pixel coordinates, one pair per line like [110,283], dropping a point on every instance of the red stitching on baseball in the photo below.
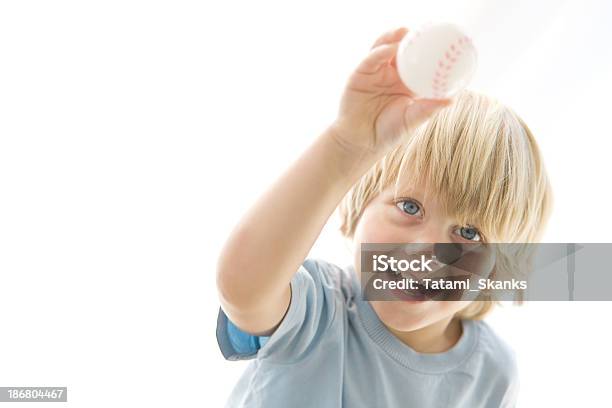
[446,67]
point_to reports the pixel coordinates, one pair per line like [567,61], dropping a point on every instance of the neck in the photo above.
[435,338]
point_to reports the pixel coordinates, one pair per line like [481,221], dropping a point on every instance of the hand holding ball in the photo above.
[436,61]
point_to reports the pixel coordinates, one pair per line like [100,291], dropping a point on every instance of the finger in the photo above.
[390,37]
[377,58]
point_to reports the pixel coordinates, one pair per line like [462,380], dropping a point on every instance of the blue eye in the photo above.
[469,233]
[409,207]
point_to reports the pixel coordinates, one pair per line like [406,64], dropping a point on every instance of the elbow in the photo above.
[225,281]
[227,271]
[234,293]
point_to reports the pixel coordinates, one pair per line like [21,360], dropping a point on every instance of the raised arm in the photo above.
[273,238]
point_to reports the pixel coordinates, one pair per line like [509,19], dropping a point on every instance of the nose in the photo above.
[427,240]
[431,235]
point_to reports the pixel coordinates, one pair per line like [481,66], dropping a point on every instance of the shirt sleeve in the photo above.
[314,299]
[233,342]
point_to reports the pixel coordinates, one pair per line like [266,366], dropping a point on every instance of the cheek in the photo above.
[374,227]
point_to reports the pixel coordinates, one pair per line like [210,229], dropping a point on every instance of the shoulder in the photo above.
[319,292]
[330,277]
[498,359]
[313,316]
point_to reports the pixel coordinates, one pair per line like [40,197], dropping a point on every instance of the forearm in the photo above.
[271,241]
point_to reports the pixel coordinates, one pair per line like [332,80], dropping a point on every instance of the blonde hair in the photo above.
[483,164]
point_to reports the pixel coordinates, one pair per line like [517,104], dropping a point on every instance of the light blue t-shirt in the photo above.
[332,350]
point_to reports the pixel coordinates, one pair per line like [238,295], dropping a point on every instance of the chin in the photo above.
[406,316]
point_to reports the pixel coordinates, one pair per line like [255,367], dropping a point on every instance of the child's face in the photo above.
[412,217]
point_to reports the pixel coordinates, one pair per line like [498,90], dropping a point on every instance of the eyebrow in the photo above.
[406,192]
[410,194]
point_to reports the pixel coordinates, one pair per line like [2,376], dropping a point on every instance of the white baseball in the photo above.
[436,60]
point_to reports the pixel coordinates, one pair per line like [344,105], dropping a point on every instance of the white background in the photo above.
[134,134]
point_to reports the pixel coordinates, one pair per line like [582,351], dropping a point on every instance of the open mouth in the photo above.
[421,274]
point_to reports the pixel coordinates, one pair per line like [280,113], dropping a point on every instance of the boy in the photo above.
[473,173]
